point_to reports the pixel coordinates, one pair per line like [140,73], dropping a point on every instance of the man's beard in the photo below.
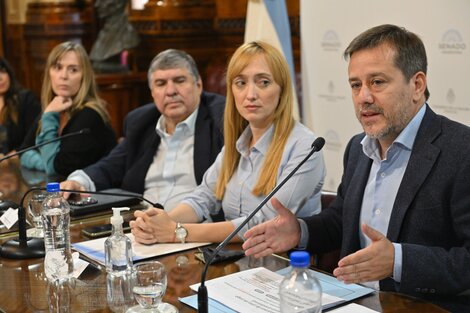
[394,125]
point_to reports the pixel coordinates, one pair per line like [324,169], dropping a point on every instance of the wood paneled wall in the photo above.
[209,30]
[50,23]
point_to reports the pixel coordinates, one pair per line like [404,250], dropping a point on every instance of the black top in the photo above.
[29,108]
[87,149]
[82,150]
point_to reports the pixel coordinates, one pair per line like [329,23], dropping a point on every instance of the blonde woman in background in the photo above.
[70,103]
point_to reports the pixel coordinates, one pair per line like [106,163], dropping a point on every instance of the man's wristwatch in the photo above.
[181,233]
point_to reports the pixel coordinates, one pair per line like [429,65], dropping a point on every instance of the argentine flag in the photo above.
[267,20]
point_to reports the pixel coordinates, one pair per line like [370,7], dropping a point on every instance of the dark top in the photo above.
[127,165]
[82,150]
[430,216]
[29,108]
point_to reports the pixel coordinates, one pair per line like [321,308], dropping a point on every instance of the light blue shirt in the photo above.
[171,176]
[384,180]
[382,187]
[301,194]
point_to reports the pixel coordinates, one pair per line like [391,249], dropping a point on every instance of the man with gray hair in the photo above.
[167,144]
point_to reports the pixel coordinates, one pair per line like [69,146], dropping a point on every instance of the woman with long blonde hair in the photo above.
[263,144]
[70,102]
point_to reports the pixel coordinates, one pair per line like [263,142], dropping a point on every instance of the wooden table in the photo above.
[23,287]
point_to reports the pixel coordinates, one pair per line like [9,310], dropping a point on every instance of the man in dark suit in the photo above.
[168,144]
[402,213]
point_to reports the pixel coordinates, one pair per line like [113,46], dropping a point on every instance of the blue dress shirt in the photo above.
[383,183]
[301,194]
[171,177]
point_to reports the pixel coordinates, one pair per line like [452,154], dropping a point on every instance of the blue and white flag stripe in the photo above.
[267,20]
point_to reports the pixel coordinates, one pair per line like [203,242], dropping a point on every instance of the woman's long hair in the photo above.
[234,123]
[87,95]
[10,109]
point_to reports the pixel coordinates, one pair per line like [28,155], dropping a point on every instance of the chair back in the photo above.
[328,261]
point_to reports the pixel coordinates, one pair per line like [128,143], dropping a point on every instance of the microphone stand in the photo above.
[202,296]
[27,248]
[23,247]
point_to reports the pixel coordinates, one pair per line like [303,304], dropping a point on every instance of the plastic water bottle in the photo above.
[300,290]
[59,294]
[58,263]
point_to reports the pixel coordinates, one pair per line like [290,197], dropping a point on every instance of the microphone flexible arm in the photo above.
[154,204]
[80,132]
[26,248]
[317,145]
[22,212]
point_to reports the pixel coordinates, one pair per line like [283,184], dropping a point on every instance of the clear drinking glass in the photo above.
[149,288]
[35,208]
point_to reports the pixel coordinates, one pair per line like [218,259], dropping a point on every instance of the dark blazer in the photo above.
[430,216]
[127,164]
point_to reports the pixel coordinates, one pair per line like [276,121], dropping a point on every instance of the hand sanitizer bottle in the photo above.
[118,259]
[118,247]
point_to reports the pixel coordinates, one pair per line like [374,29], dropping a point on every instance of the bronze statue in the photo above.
[116,36]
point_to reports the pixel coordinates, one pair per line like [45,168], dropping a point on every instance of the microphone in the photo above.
[27,248]
[80,132]
[202,297]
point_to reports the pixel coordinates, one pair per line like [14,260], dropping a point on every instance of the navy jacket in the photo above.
[430,215]
[127,164]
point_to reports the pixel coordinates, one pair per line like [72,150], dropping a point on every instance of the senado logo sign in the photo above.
[330,41]
[452,42]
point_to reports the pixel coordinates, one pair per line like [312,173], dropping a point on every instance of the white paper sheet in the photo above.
[94,249]
[353,308]
[255,291]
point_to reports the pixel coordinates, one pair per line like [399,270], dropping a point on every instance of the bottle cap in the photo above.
[117,219]
[53,187]
[300,258]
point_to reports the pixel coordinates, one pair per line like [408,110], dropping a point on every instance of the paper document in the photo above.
[331,285]
[335,292]
[94,249]
[255,290]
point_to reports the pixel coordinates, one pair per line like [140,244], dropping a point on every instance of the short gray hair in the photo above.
[172,58]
